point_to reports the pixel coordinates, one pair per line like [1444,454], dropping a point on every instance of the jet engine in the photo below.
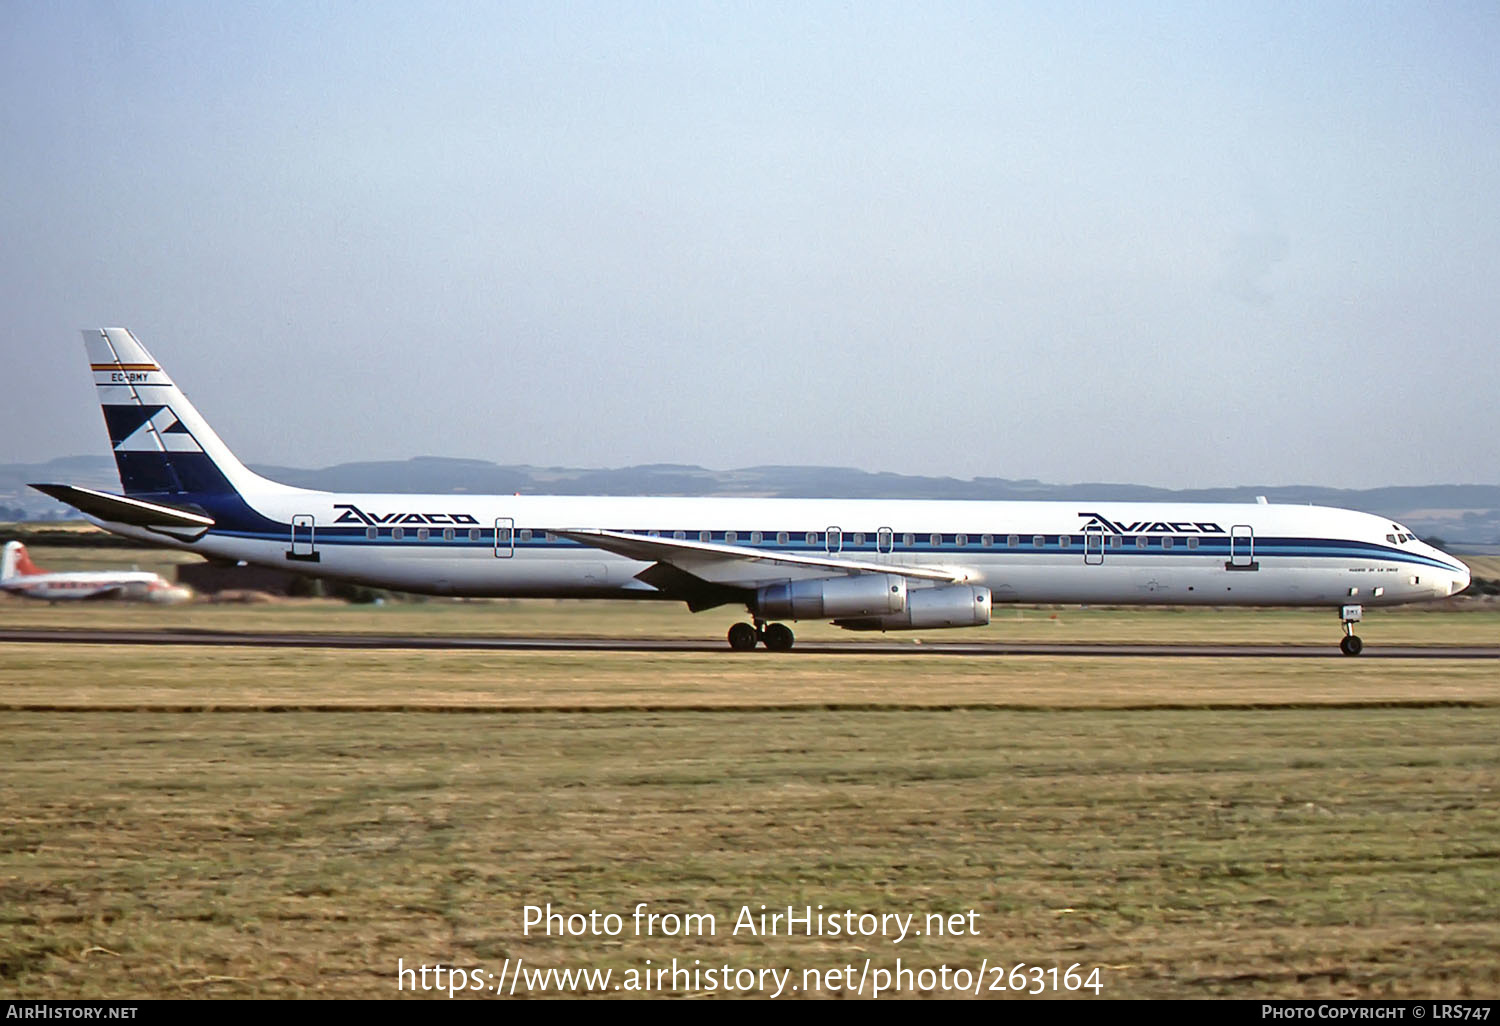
[950,605]
[861,595]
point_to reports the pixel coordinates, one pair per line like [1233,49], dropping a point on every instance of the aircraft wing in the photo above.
[737,566]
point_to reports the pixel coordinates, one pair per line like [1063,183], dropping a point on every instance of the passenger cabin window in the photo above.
[447,534]
[960,540]
[935,540]
[705,536]
[987,540]
[908,540]
[730,537]
[1166,543]
[812,537]
[859,539]
[1038,541]
[1064,540]
[1192,543]
[781,537]
[526,534]
[679,535]
[397,533]
[1140,541]
[756,537]
[372,533]
[423,534]
[1115,541]
[1012,541]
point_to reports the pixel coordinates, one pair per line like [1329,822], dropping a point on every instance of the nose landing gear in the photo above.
[777,637]
[1349,616]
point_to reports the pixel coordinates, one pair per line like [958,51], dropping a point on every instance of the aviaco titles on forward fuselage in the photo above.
[863,564]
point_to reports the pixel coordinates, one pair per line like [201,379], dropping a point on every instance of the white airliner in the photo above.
[863,564]
[20,576]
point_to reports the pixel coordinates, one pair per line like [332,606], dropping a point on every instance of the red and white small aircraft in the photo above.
[20,576]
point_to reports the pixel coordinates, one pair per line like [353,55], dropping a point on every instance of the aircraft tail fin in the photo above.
[163,447]
[16,562]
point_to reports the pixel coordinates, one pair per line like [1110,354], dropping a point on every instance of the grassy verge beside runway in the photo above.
[1244,853]
[45,677]
[1479,625]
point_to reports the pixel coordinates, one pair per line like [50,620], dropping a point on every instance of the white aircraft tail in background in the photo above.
[20,576]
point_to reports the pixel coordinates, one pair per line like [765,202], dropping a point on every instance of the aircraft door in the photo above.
[885,541]
[833,540]
[505,537]
[1093,545]
[1241,548]
[304,546]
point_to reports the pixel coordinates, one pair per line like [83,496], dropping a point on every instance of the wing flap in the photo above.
[736,566]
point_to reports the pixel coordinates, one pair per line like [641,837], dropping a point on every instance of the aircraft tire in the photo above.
[742,637]
[779,637]
[1351,645]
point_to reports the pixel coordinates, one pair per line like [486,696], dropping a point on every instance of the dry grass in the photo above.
[1236,853]
[208,677]
[1189,825]
[1487,567]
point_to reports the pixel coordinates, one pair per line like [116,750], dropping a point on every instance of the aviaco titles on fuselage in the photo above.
[866,565]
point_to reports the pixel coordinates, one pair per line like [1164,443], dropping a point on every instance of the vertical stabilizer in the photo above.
[163,446]
[16,562]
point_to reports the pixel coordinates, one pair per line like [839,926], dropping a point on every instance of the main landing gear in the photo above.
[1351,645]
[777,637]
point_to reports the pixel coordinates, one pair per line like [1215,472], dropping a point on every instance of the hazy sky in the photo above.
[1181,245]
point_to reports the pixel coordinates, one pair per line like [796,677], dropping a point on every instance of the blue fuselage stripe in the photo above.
[1216,547]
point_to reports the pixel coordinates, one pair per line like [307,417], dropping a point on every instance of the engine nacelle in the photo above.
[951,605]
[863,595]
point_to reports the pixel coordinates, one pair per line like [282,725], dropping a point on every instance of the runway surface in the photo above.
[504,644]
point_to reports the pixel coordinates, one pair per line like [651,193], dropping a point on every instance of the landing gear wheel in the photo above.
[779,637]
[742,637]
[1350,615]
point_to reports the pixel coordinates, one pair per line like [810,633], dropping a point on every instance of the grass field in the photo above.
[63,677]
[234,822]
[1186,854]
[1245,828]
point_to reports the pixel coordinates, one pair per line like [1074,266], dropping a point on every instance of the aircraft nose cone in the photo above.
[1461,580]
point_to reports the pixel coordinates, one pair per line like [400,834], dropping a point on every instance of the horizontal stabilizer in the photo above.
[120,510]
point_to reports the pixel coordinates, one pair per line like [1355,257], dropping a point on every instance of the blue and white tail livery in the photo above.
[863,564]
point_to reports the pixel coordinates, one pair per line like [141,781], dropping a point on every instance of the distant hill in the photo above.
[1457,513]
